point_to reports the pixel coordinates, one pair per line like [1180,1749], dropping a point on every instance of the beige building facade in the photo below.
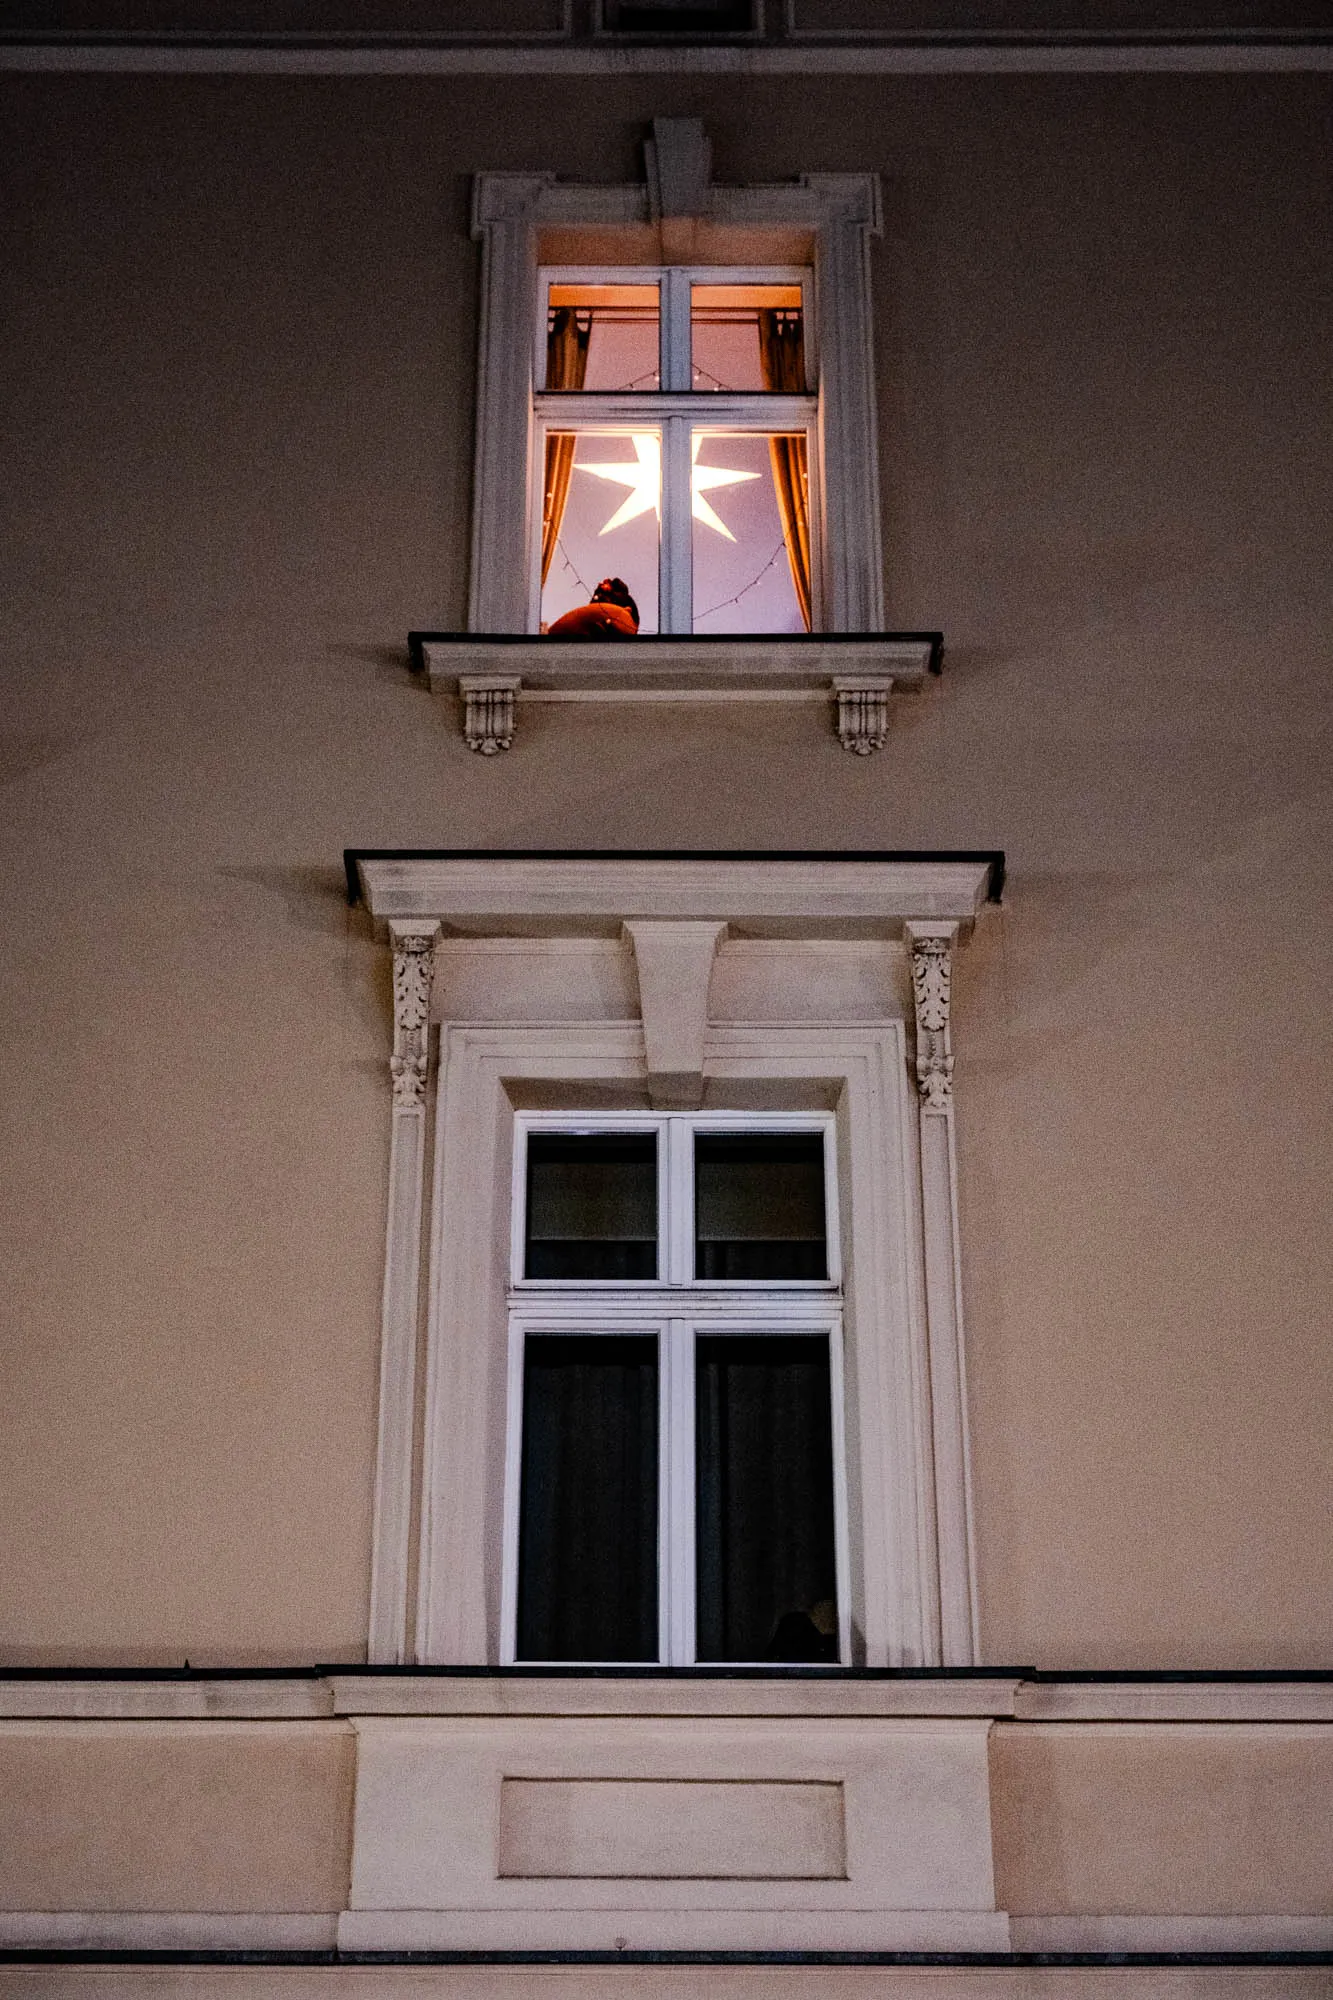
[966,878]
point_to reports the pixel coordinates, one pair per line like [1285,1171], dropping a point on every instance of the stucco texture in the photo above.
[188,1816]
[238,373]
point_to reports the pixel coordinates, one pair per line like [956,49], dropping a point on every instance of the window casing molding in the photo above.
[568,936]
[679,217]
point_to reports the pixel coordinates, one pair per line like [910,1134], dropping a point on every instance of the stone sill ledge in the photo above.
[997,1694]
[855,673]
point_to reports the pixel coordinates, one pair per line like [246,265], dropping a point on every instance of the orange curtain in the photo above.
[782,359]
[566,368]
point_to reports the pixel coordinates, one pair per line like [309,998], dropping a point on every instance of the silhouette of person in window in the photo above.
[613,614]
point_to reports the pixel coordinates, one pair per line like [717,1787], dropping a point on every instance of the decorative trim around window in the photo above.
[603,984]
[677,217]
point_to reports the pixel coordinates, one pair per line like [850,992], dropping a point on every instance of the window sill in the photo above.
[853,672]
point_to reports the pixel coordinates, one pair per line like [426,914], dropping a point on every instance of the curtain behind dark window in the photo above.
[759,1206]
[566,368]
[587,1550]
[782,359]
[764,1475]
[591,1205]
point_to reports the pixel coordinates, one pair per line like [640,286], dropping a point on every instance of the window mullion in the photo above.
[676,1586]
[676,587]
[678,1262]
[676,357]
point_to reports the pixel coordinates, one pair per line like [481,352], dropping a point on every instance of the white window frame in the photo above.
[676,409]
[675,1307]
[675,1194]
[515,217]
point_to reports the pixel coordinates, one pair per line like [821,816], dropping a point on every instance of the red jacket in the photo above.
[595,621]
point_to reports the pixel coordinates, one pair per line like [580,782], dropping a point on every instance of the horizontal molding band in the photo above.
[1011,1696]
[407,55]
[981,1960]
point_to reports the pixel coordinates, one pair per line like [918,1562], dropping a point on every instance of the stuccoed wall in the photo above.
[239,364]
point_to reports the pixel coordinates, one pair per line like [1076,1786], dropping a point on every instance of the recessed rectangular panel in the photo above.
[750,506]
[671,1829]
[759,1206]
[601,507]
[766,1577]
[603,337]
[587,1545]
[591,1205]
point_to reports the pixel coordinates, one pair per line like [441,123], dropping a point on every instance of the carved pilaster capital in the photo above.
[413,964]
[931,947]
[500,198]
[850,199]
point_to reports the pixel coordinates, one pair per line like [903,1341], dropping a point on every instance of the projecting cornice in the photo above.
[593,894]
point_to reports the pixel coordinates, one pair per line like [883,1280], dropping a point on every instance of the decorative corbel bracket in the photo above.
[931,947]
[674,961]
[413,964]
[854,672]
[863,711]
[488,712]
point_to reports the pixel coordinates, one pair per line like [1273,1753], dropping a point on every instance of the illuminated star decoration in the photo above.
[644,479]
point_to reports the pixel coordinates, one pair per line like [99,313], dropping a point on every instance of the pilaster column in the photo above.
[504,221]
[413,965]
[931,947]
[849,215]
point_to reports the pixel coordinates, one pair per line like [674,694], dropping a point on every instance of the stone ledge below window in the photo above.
[854,673]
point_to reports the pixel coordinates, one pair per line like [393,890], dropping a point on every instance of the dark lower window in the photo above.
[587,1550]
[766,1573]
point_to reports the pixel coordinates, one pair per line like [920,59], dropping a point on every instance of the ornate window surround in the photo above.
[668,932]
[678,216]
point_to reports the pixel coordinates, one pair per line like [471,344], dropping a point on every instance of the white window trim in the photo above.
[440,1480]
[836,213]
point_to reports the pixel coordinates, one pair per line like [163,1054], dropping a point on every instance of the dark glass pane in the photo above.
[587,1541]
[767,1586]
[592,1205]
[759,1205]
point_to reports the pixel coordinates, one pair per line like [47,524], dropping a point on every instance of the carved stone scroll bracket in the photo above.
[413,962]
[674,961]
[931,947]
[863,711]
[488,718]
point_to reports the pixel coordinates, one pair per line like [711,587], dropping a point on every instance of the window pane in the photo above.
[747,337]
[759,1205]
[592,1205]
[602,337]
[751,532]
[600,507]
[767,1577]
[587,1550]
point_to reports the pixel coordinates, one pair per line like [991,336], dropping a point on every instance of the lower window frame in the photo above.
[676,1323]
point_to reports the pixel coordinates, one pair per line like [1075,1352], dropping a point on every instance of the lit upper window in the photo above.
[704,518]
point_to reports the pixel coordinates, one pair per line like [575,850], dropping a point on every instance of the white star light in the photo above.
[644,479]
